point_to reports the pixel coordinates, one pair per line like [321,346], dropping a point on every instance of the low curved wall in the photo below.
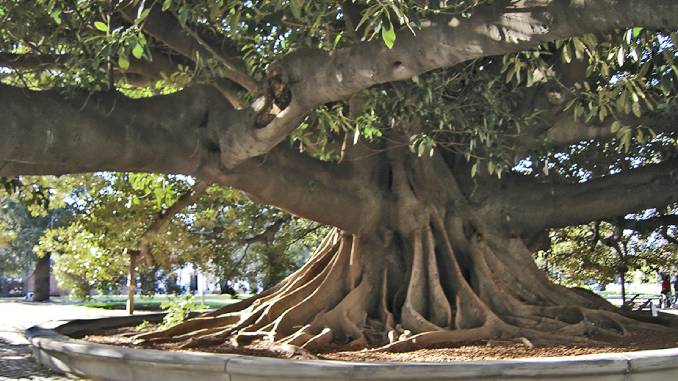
[105,362]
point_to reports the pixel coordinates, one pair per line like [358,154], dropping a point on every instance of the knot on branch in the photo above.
[515,27]
[277,97]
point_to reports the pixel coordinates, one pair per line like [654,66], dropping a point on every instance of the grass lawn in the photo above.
[117,302]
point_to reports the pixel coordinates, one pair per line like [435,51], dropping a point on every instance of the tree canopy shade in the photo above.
[602,251]
[439,138]
[167,222]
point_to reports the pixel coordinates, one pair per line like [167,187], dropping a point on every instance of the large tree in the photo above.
[399,123]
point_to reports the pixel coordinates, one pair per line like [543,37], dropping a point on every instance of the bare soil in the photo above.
[482,350]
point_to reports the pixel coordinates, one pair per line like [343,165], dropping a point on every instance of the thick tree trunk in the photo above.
[431,273]
[41,289]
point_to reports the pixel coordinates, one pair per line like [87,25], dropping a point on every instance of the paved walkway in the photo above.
[16,361]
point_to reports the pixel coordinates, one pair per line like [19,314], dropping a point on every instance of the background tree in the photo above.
[398,123]
[603,252]
[23,230]
[162,223]
[241,240]
[6,235]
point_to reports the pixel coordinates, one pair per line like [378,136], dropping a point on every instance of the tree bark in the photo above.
[415,260]
[431,271]
[41,275]
[131,280]
[535,206]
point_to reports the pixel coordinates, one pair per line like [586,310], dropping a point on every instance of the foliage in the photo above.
[112,211]
[143,325]
[591,253]
[245,241]
[21,231]
[498,121]
[473,108]
[6,235]
[178,310]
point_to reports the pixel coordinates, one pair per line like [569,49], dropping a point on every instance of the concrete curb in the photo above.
[105,362]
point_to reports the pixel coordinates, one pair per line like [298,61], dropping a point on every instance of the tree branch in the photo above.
[317,78]
[269,233]
[164,27]
[313,77]
[29,61]
[164,217]
[565,130]
[45,133]
[325,192]
[534,207]
[162,64]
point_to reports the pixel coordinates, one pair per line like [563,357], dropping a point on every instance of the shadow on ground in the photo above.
[17,363]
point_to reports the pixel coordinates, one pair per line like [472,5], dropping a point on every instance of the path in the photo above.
[16,360]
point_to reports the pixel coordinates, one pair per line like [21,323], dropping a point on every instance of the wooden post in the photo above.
[131,281]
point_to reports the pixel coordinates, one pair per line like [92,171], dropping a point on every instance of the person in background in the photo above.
[675,290]
[666,291]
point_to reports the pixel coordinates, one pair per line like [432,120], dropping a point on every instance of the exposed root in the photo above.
[430,286]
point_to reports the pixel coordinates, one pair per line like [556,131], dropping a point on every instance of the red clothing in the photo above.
[666,286]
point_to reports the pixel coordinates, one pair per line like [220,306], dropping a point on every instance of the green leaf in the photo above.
[474,169]
[621,102]
[636,32]
[421,149]
[636,109]
[388,35]
[626,138]
[567,57]
[579,48]
[640,136]
[674,39]
[101,26]
[338,39]
[621,56]
[616,126]
[138,51]
[142,15]
[166,5]
[123,62]
[530,78]
[295,7]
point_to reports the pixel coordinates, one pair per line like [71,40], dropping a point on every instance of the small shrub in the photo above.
[144,324]
[178,310]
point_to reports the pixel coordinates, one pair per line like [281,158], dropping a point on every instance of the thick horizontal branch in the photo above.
[314,77]
[565,130]
[534,207]
[47,133]
[317,77]
[325,192]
